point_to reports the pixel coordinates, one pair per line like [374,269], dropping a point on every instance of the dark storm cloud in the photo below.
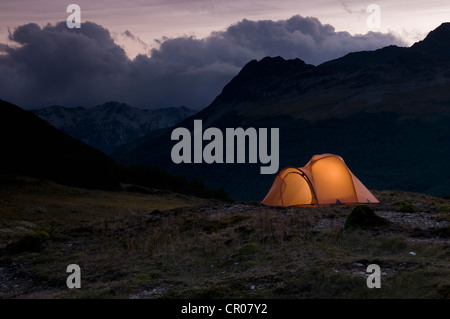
[60,65]
[57,65]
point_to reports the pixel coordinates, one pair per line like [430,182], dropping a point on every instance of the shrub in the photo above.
[405,207]
[224,223]
[444,290]
[248,248]
[393,243]
[444,208]
[248,264]
[364,217]
[28,242]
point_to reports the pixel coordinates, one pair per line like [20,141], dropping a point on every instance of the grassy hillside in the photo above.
[165,245]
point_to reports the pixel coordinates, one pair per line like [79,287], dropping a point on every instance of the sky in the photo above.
[182,52]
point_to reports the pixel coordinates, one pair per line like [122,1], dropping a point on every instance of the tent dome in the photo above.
[325,180]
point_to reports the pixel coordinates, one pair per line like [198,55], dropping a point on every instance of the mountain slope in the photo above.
[111,124]
[386,112]
[31,147]
[436,44]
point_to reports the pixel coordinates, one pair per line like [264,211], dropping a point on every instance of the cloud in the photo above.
[344,5]
[57,65]
[60,65]
[132,37]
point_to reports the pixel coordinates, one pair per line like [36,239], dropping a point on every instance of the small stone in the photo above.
[252,287]
[412,253]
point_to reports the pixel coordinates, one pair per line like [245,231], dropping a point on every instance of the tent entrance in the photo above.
[296,189]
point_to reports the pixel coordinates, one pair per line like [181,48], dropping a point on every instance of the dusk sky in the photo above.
[187,49]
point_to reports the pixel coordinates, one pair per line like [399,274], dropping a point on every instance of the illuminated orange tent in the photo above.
[324,181]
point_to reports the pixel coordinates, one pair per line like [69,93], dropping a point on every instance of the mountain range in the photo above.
[31,147]
[111,124]
[386,112]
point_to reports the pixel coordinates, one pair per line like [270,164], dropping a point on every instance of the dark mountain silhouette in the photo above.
[436,43]
[111,124]
[386,112]
[32,147]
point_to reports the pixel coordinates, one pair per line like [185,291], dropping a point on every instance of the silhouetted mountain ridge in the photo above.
[255,75]
[436,43]
[367,58]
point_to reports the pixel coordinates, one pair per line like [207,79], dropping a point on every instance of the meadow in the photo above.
[166,245]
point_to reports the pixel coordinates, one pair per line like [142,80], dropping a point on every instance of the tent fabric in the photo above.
[325,180]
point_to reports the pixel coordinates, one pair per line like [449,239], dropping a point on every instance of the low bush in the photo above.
[364,217]
[29,242]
